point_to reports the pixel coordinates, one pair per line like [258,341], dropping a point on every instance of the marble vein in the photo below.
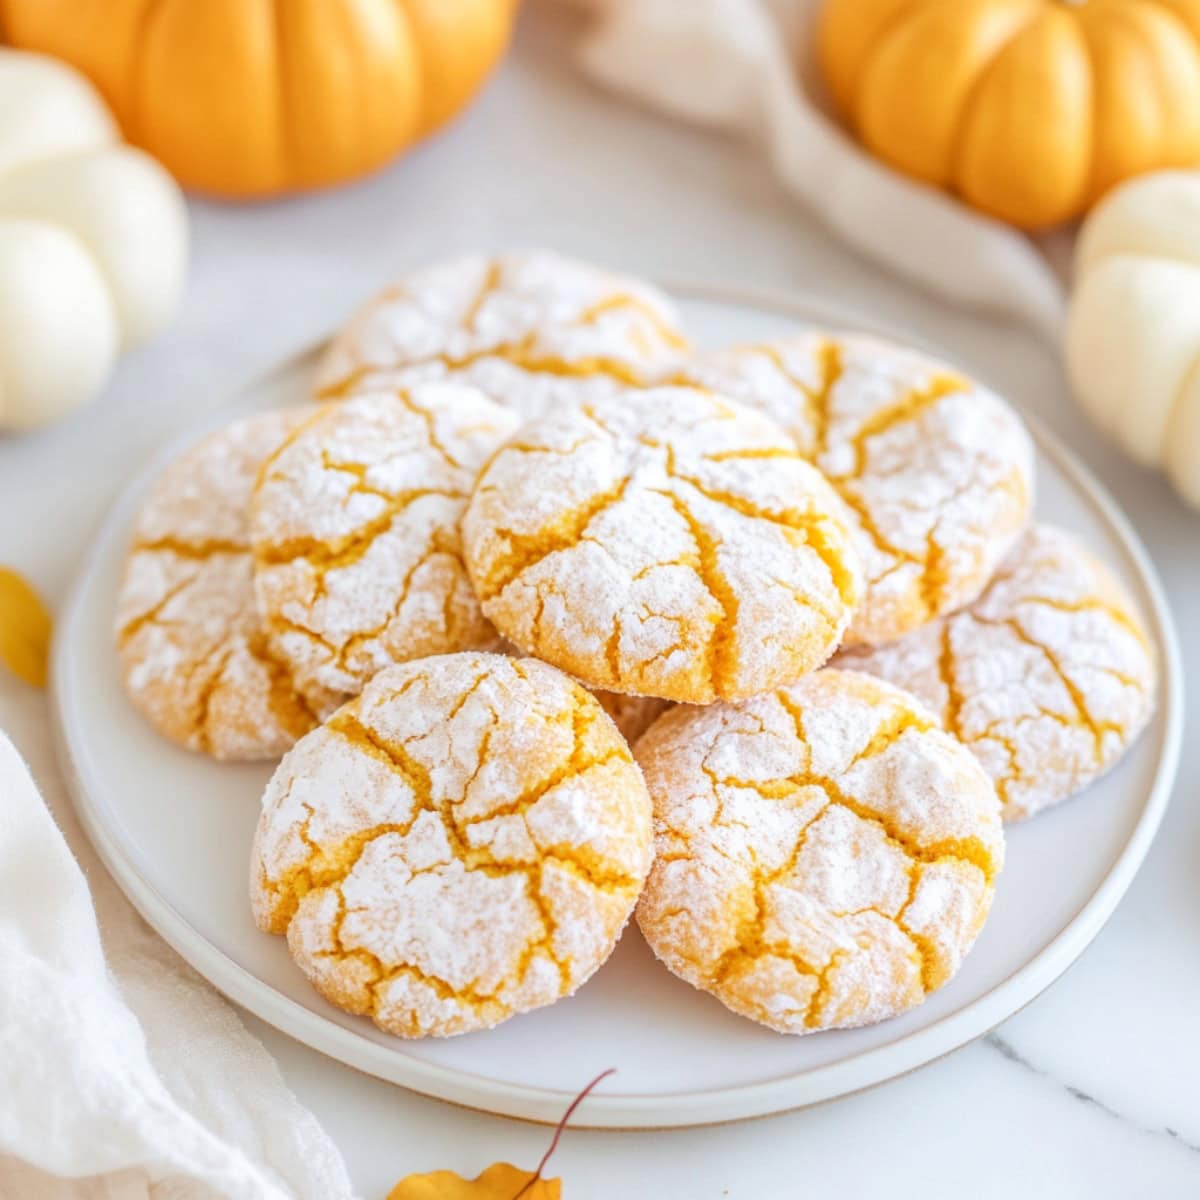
[1009,1052]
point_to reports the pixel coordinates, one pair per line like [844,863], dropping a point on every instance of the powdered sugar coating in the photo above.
[355,532]
[936,472]
[530,330]
[194,656]
[632,715]
[463,842]
[663,543]
[825,856]
[1048,677]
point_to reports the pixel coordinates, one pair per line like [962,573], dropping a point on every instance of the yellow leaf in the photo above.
[25,627]
[501,1181]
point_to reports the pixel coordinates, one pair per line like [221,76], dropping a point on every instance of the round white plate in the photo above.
[175,830]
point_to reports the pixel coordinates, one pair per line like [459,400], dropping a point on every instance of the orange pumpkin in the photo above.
[1028,109]
[253,97]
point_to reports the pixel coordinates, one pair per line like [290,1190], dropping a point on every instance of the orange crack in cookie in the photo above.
[355,532]
[662,543]
[632,715]
[530,330]
[463,842]
[825,856]
[936,472]
[1048,677]
[194,656]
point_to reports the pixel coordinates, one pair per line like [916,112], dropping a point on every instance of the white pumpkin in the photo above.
[1133,330]
[93,241]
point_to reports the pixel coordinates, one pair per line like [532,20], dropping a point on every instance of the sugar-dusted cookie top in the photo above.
[355,532]
[464,841]
[825,855]
[936,472]
[529,329]
[194,656]
[632,715]
[1048,676]
[663,543]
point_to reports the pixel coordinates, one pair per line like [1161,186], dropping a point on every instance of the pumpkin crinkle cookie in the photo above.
[825,855]
[193,653]
[463,842]
[355,533]
[529,329]
[665,543]
[1048,677]
[935,471]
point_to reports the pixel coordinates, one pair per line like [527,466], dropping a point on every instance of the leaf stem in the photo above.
[560,1128]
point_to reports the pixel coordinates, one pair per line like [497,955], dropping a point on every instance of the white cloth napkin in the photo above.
[131,1078]
[746,67]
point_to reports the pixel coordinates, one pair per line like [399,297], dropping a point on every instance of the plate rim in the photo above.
[708,1106]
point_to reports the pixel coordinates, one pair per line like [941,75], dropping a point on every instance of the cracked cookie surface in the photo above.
[824,855]
[632,715]
[194,656]
[355,532]
[935,471]
[463,842]
[530,330]
[665,543]
[1048,677]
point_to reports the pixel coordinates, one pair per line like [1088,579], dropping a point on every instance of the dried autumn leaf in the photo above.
[501,1181]
[25,627]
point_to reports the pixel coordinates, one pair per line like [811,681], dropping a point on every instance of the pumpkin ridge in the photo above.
[847,105]
[1085,28]
[887,30]
[1034,17]
[287,156]
[139,35]
[1186,384]
[1167,101]
[422,124]
[89,253]
[1115,16]
[1167,7]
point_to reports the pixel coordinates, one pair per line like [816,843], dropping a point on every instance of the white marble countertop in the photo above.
[1092,1090]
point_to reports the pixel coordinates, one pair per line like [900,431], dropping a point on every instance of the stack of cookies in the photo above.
[521,528]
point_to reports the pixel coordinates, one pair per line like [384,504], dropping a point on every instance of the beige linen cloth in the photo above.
[123,1076]
[746,67]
